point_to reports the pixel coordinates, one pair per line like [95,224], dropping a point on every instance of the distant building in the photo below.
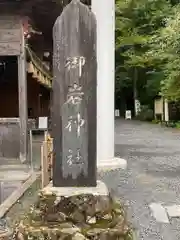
[165,110]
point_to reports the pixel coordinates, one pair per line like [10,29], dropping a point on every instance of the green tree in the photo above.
[137,23]
[165,49]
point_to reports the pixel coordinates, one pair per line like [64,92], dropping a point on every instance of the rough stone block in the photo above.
[82,216]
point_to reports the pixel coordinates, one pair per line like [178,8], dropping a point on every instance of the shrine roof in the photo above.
[42,14]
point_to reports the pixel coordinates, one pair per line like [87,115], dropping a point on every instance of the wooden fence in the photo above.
[46,159]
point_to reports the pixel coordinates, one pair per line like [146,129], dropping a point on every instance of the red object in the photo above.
[26,25]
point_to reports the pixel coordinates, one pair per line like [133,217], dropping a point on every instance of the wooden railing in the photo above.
[38,69]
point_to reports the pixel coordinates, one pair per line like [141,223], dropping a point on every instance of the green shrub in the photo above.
[146,114]
[171,124]
[155,121]
[177,125]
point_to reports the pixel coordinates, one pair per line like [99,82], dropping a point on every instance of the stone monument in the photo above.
[75,206]
[74,97]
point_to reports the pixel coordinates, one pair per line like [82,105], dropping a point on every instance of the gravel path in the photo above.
[153,176]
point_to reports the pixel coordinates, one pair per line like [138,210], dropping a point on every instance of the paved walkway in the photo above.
[13,173]
[152,180]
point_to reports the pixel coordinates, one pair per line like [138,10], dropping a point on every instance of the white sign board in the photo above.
[137,107]
[158,106]
[166,111]
[128,114]
[43,123]
[117,113]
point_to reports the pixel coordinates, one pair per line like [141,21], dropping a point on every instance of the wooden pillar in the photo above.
[105,77]
[22,86]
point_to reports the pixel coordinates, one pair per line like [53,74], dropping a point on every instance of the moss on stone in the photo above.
[75,218]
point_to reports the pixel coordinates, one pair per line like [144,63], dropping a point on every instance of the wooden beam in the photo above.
[22,84]
[9,35]
[44,164]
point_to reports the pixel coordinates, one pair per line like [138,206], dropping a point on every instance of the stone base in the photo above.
[111,164]
[99,190]
[75,214]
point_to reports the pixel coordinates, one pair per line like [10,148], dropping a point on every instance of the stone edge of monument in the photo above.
[99,190]
[111,164]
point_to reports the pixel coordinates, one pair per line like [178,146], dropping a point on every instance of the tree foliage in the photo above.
[165,49]
[148,40]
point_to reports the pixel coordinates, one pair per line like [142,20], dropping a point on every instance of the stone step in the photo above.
[14,175]
[14,167]
[7,188]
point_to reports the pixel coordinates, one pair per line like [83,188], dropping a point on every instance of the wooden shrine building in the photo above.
[25,69]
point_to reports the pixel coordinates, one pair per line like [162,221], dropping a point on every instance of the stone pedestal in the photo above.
[75,214]
[111,164]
